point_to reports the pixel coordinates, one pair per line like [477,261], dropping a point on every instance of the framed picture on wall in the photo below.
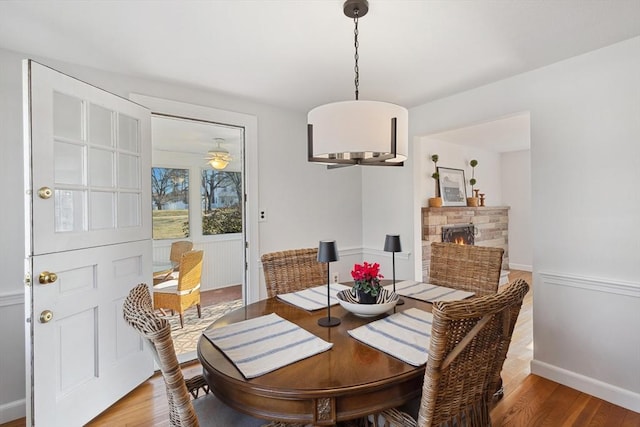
[453,189]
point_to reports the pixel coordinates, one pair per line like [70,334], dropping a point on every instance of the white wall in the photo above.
[12,378]
[488,172]
[585,128]
[516,193]
[382,216]
[305,202]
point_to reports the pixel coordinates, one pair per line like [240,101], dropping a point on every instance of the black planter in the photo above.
[365,298]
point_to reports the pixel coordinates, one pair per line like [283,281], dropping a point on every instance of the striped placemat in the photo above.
[314,298]
[266,343]
[404,335]
[428,292]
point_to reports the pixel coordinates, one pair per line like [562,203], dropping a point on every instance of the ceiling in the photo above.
[297,54]
[501,135]
[196,137]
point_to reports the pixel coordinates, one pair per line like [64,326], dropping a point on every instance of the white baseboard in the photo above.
[523,267]
[13,410]
[616,395]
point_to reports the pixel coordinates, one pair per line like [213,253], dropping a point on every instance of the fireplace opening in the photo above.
[460,234]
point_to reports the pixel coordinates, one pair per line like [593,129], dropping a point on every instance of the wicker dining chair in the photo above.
[184,292]
[177,249]
[466,267]
[292,270]
[469,344]
[207,410]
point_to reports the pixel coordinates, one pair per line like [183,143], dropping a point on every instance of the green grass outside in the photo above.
[169,224]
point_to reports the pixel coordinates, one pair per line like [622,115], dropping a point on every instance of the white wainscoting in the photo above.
[223,260]
[13,298]
[585,335]
[12,398]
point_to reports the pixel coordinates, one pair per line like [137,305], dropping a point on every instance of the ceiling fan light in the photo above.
[219,158]
[218,163]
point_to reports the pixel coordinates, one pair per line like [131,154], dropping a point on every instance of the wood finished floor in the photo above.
[529,400]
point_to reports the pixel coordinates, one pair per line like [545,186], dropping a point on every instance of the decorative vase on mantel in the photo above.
[435,202]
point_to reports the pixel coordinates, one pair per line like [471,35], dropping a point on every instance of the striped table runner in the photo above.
[428,292]
[314,298]
[404,335]
[266,343]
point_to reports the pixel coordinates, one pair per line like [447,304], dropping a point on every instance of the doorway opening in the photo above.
[198,197]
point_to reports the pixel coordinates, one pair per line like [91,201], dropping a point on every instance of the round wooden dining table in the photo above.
[348,381]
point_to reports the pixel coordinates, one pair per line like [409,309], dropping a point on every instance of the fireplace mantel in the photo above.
[491,222]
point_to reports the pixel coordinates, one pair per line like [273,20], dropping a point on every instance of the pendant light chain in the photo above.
[355,36]
[367,133]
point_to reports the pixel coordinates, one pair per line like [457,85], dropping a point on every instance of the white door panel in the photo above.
[88,234]
[82,349]
[88,150]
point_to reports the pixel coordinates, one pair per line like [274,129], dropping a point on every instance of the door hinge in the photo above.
[246,245]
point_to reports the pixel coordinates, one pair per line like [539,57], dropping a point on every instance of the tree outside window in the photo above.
[170,199]
[221,195]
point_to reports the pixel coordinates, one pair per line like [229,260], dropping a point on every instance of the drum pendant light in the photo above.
[368,133]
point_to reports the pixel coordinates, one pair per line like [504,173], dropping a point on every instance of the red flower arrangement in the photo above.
[367,278]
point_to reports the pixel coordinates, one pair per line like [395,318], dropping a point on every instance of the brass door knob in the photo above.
[45,193]
[47,277]
[46,316]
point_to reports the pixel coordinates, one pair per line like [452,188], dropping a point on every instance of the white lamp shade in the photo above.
[357,129]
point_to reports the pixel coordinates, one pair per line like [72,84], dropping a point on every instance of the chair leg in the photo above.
[499,393]
[199,311]
[181,321]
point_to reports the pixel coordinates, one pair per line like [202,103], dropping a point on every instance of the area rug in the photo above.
[185,339]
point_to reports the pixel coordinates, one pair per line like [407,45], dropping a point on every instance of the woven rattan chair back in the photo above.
[190,270]
[177,249]
[469,343]
[292,270]
[138,312]
[467,267]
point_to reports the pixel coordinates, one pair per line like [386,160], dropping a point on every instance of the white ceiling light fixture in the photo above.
[371,133]
[219,158]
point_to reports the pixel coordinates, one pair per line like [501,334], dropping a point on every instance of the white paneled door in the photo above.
[88,233]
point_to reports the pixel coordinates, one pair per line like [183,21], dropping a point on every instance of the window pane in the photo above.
[221,194]
[67,116]
[170,198]
[128,133]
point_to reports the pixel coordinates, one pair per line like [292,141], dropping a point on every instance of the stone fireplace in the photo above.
[490,227]
[460,234]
